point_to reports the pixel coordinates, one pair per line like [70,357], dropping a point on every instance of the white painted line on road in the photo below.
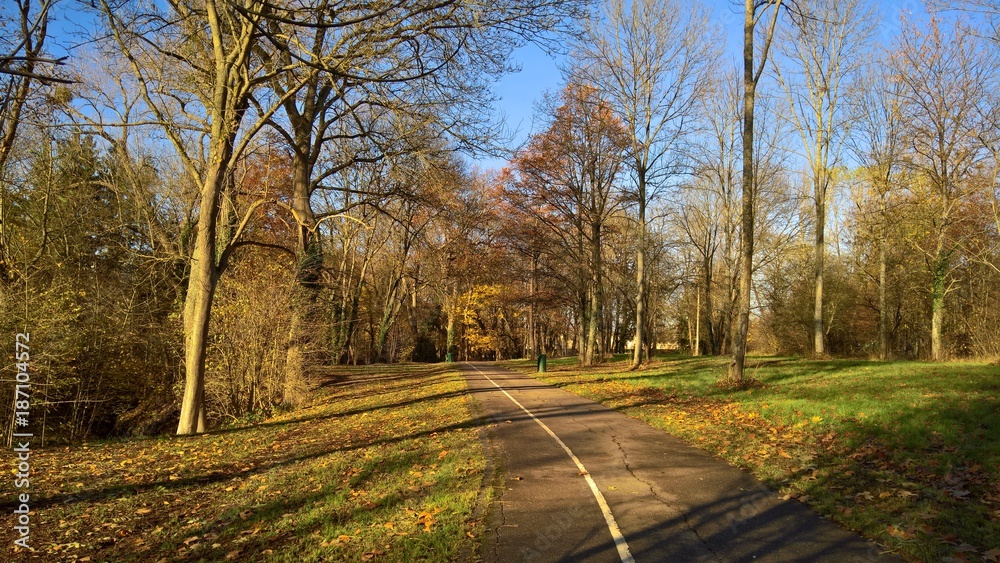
[616,532]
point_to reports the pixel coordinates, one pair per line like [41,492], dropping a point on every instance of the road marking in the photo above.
[616,533]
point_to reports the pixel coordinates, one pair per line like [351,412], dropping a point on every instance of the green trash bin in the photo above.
[541,363]
[449,358]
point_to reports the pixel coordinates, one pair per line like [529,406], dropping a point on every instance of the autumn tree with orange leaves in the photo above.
[567,178]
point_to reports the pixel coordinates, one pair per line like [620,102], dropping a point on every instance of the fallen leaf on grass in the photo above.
[966,548]
[898,533]
[992,555]
[427,519]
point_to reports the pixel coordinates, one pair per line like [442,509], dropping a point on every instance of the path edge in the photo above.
[484,512]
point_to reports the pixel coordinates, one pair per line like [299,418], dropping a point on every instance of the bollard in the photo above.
[541,363]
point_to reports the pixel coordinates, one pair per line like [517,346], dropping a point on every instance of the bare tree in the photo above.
[821,56]
[711,224]
[945,79]
[649,58]
[198,69]
[876,142]
[754,12]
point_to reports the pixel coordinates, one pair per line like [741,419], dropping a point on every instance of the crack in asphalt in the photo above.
[661,500]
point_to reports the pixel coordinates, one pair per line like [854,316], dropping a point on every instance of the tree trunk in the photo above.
[591,334]
[389,311]
[451,310]
[696,348]
[820,250]
[595,293]
[308,263]
[937,307]
[416,334]
[883,317]
[532,330]
[198,301]
[747,223]
[712,345]
[352,326]
[640,273]
[690,335]
[584,294]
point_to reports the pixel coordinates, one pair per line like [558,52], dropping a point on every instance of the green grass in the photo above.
[386,466]
[906,453]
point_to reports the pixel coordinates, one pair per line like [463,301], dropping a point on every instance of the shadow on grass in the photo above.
[231,525]
[352,412]
[211,510]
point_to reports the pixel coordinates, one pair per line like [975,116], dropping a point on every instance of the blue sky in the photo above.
[519,92]
[540,73]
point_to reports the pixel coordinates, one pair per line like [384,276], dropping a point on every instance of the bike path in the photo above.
[581,482]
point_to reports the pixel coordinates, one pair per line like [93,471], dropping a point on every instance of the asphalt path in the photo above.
[577,481]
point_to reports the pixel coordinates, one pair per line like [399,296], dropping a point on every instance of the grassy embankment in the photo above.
[386,466]
[906,453]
